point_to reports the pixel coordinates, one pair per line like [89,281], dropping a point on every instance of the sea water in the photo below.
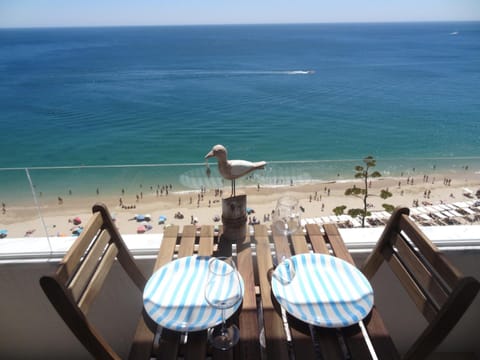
[312,100]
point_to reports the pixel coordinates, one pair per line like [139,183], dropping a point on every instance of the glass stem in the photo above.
[224,325]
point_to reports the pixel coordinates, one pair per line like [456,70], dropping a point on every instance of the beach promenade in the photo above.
[204,206]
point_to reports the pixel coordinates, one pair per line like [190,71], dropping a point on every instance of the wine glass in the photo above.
[223,291]
[286,216]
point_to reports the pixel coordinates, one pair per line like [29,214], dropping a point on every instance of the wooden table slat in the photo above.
[379,336]
[248,319]
[187,244]
[302,350]
[144,334]
[317,239]
[301,339]
[299,243]
[336,242]
[170,340]
[355,341]
[353,336]
[381,340]
[168,345]
[276,345]
[198,340]
[197,344]
[329,346]
[167,247]
[205,246]
[282,249]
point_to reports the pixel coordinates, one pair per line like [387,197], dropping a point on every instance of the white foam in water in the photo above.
[301,72]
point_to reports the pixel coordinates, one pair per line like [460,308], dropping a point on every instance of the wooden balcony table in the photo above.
[265,330]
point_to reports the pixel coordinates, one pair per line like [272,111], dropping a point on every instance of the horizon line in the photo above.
[239,24]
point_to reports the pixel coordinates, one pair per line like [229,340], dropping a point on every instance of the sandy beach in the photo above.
[318,199]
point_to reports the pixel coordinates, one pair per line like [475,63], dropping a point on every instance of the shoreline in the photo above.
[114,180]
[317,198]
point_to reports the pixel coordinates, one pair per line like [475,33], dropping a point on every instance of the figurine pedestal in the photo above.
[234,219]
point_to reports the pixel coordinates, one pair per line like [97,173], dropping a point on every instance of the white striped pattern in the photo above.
[325,291]
[174,296]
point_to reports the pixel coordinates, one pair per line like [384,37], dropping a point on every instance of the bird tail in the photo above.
[260,165]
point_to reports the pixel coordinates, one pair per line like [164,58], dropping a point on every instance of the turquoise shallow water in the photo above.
[405,93]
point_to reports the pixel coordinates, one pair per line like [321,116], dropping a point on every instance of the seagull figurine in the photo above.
[232,169]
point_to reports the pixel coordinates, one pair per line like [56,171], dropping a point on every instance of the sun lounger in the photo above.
[469,211]
[425,217]
[326,220]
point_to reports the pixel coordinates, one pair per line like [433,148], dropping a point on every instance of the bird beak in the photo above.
[209,155]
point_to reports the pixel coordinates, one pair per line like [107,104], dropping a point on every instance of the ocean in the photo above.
[310,99]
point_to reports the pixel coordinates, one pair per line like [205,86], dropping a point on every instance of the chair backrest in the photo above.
[81,274]
[439,290]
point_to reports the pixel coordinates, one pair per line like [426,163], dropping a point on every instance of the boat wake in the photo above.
[192,73]
[301,72]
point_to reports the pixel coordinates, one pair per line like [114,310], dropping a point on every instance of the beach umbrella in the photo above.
[3,233]
[162,219]
[250,211]
[77,221]
[141,229]
[147,217]
[140,217]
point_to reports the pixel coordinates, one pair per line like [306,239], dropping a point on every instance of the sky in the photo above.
[61,13]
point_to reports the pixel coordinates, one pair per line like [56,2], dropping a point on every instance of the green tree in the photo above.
[339,210]
[365,173]
[389,208]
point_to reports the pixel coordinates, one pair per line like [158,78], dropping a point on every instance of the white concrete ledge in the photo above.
[43,249]
[453,237]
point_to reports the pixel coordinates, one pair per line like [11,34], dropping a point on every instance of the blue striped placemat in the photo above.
[174,296]
[324,291]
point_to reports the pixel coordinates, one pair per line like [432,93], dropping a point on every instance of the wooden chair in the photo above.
[80,276]
[438,289]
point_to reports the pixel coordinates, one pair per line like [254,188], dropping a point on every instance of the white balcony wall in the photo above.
[30,328]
